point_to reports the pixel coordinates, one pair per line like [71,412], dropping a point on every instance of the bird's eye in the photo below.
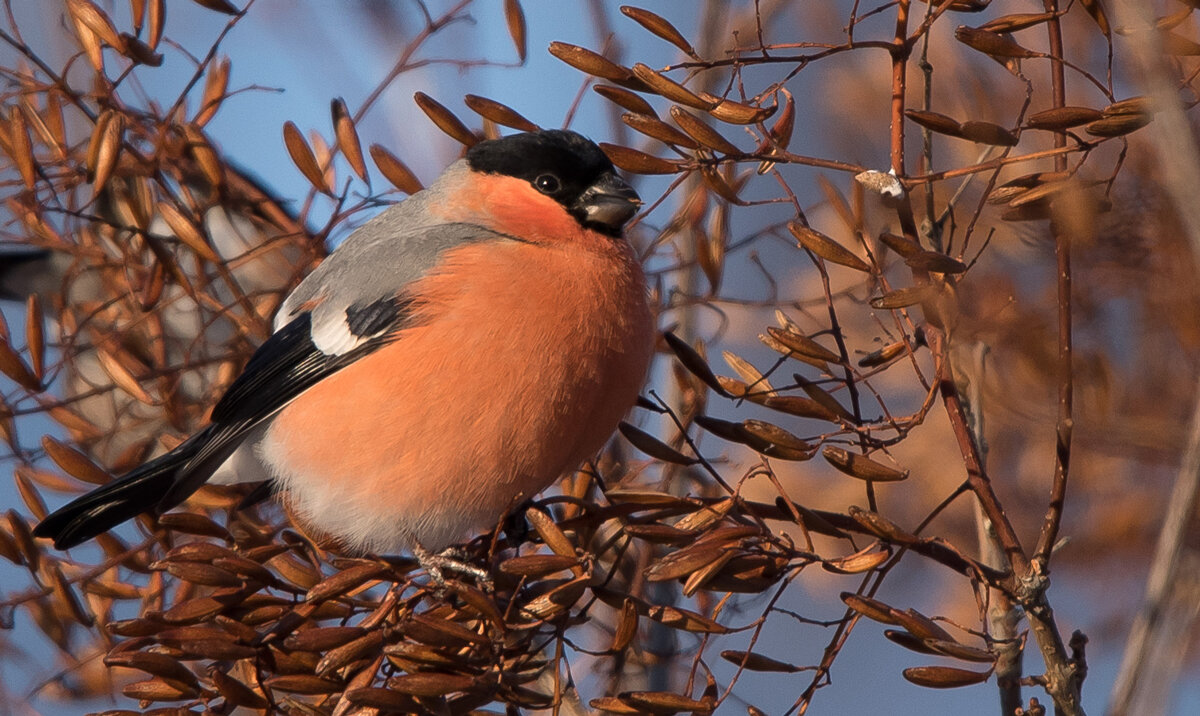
[547,183]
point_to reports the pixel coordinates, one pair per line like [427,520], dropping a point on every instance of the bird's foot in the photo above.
[450,560]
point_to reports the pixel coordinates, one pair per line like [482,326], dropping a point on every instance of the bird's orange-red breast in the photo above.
[454,356]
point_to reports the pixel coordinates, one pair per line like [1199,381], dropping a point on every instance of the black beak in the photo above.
[607,205]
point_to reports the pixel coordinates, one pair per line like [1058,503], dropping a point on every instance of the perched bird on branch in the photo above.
[452,358]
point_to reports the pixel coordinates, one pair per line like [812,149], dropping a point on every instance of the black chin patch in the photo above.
[575,161]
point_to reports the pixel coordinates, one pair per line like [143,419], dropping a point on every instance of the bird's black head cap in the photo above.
[559,163]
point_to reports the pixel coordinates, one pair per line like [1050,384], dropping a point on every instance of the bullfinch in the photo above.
[454,356]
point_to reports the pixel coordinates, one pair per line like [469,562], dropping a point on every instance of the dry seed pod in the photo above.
[158,690]
[347,137]
[685,620]
[614,705]
[910,642]
[732,112]
[590,62]
[638,162]
[235,692]
[445,119]
[303,684]
[654,127]
[654,447]
[1062,118]
[625,99]
[499,113]
[935,262]
[536,566]
[826,248]
[693,361]
[205,574]
[920,625]
[215,86]
[395,170]
[803,345]
[872,609]
[960,651]
[192,523]
[205,156]
[29,494]
[104,147]
[748,372]
[706,516]
[757,662]
[1017,21]
[659,26]
[1118,125]
[122,378]
[902,245]
[684,562]
[557,600]
[716,182]
[550,533]
[514,17]
[800,407]
[659,702]
[882,527]
[861,467]
[884,355]
[660,534]
[1132,105]
[1096,10]
[662,85]
[92,17]
[701,132]
[944,677]
[221,6]
[904,297]
[303,157]
[935,122]
[991,43]
[74,463]
[775,435]
[159,665]
[862,561]
[20,147]
[345,581]
[347,653]
[988,133]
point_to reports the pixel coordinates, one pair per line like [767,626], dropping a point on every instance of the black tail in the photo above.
[141,490]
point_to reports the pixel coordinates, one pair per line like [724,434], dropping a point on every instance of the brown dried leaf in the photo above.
[445,119]
[639,162]
[514,17]
[654,447]
[826,248]
[347,138]
[395,170]
[499,113]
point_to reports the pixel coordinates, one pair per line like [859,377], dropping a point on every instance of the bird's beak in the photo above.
[608,204]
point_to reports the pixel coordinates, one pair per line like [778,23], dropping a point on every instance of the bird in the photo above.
[452,358]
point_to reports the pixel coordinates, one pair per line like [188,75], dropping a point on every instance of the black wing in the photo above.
[288,364]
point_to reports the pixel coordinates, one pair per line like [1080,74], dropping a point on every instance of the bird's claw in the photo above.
[450,560]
